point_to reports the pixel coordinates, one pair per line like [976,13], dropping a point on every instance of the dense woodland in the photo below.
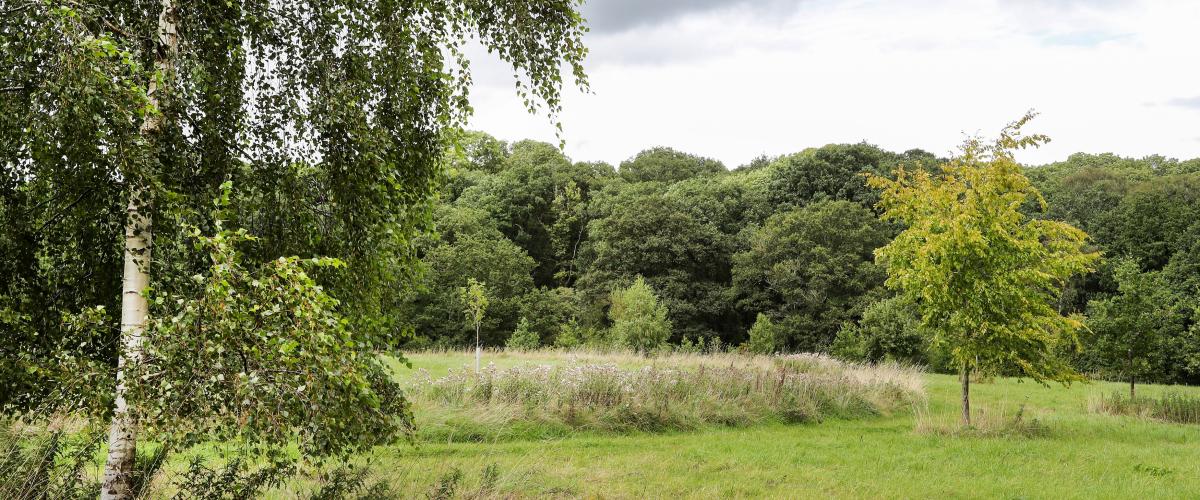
[224,224]
[790,240]
[785,242]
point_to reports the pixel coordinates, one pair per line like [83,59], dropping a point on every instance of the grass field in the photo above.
[1080,455]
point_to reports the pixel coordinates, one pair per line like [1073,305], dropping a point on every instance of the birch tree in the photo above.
[331,117]
[475,303]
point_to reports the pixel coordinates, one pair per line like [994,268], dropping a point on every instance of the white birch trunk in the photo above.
[122,436]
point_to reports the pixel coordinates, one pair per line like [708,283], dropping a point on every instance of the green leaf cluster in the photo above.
[985,276]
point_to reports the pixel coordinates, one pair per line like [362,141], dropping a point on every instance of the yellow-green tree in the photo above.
[983,274]
[475,303]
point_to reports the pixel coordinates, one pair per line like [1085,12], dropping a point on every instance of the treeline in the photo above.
[776,255]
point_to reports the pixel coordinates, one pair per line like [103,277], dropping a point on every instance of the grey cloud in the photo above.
[1185,102]
[1084,38]
[610,16]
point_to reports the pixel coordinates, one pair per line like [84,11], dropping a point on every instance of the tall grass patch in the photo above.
[1168,407]
[986,421]
[674,392]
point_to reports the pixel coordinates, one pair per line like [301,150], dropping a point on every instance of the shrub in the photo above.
[763,336]
[639,320]
[523,338]
[233,479]
[889,330]
[1169,407]
[701,345]
[570,335]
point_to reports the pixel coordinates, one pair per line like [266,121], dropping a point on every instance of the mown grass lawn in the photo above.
[1081,455]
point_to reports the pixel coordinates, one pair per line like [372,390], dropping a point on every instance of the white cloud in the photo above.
[741,80]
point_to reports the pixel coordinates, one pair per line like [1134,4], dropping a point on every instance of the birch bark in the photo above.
[122,435]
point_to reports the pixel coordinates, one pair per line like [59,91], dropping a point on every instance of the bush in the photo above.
[523,338]
[233,479]
[888,331]
[570,335]
[701,345]
[639,320]
[763,336]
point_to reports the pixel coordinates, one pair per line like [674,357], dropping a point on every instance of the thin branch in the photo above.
[17,9]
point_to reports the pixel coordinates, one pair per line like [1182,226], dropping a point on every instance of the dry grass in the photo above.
[986,421]
[621,392]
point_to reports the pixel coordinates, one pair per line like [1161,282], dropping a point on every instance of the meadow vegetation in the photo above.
[1058,449]
[1026,440]
[621,393]
[223,227]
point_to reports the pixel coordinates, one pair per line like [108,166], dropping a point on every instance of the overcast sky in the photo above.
[733,79]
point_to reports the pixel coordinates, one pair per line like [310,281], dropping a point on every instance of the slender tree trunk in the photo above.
[966,397]
[1132,377]
[122,435]
[478,350]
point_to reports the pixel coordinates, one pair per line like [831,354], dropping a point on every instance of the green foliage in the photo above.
[763,336]
[345,481]
[888,331]
[983,275]
[342,154]
[475,301]
[548,309]
[667,165]
[538,201]
[1130,328]
[641,231]
[833,172]
[570,335]
[1143,208]
[811,268]
[260,355]
[699,345]
[480,151]
[523,338]
[468,247]
[234,480]
[639,321]
[447,486]
[1158,219]
[727,202]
